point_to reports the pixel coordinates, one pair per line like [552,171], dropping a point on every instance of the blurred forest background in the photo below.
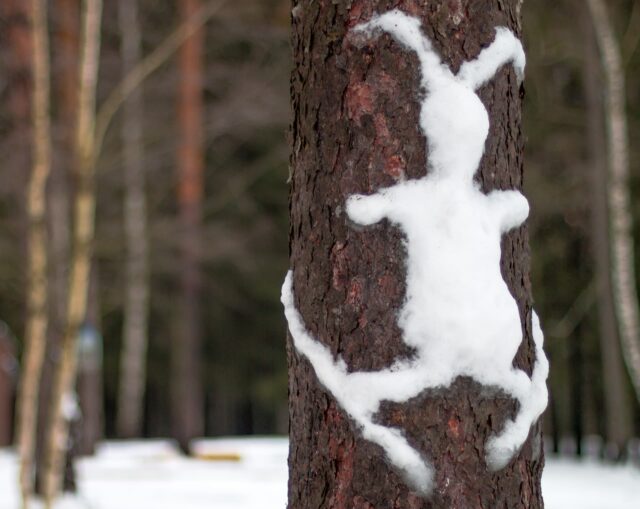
[218,333]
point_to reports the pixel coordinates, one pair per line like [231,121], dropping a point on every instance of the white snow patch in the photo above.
[170,482]
[458,314]
[143,475]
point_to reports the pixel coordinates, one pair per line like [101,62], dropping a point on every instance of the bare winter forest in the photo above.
[168,122]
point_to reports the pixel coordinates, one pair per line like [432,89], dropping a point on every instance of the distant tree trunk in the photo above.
[355,129]
[36,327]
[623,274]
[8,369]
[82,241]
[89,385]
[187,393]
[617,416]
[66,18]
[133,356]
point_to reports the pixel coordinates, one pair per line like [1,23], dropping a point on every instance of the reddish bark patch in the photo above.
[454,426]
[359,100]
[339,264]
[354,293]
[382,129]
[359,12]
[394,166]
[360,503]
[342,452]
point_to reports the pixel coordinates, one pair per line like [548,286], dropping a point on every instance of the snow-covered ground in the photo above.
[251,473]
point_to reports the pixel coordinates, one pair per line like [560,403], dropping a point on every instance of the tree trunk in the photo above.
[36,328]
[355,129]
[187,396]
[133,360]
[66,21]
[89,384]
[623,274]
[82,241]
[617,417]
[8,369]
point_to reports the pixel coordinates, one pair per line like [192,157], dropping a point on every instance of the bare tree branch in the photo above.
[147,66]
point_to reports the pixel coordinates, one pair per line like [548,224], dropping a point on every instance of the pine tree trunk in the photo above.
[355,129]
[187,397]
[616,398]
[133,359]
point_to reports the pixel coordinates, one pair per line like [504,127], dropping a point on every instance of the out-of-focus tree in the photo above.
[136,308]
[8,372]
[37,278]
[617,409]
[625,290]
[81,248]
[186,369]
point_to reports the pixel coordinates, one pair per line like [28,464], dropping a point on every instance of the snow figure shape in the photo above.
[458,315]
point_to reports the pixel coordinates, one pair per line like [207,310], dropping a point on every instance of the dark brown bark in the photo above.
[616,396]
[354,130]
[187,397]
[7,385]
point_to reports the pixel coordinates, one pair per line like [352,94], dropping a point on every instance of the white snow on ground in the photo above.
[152,475]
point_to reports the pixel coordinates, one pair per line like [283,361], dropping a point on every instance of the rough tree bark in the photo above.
[623,274]
[354,130]
[82,241]
[616,399]
[133,360]
[187,404]
[36,327]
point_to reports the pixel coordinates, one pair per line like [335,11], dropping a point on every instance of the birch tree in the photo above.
[81,245]
[623,273]
[617,408]
[36,328]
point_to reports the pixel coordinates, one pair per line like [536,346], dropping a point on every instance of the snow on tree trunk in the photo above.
[371,112]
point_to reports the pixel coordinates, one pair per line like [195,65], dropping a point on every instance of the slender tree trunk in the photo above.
[36,329]
[355,129]
[623,275]
[89,385]
[66,21]
[18,60]
[187,394]
[82,240]
[7,385]
[133,360]
[617,416]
